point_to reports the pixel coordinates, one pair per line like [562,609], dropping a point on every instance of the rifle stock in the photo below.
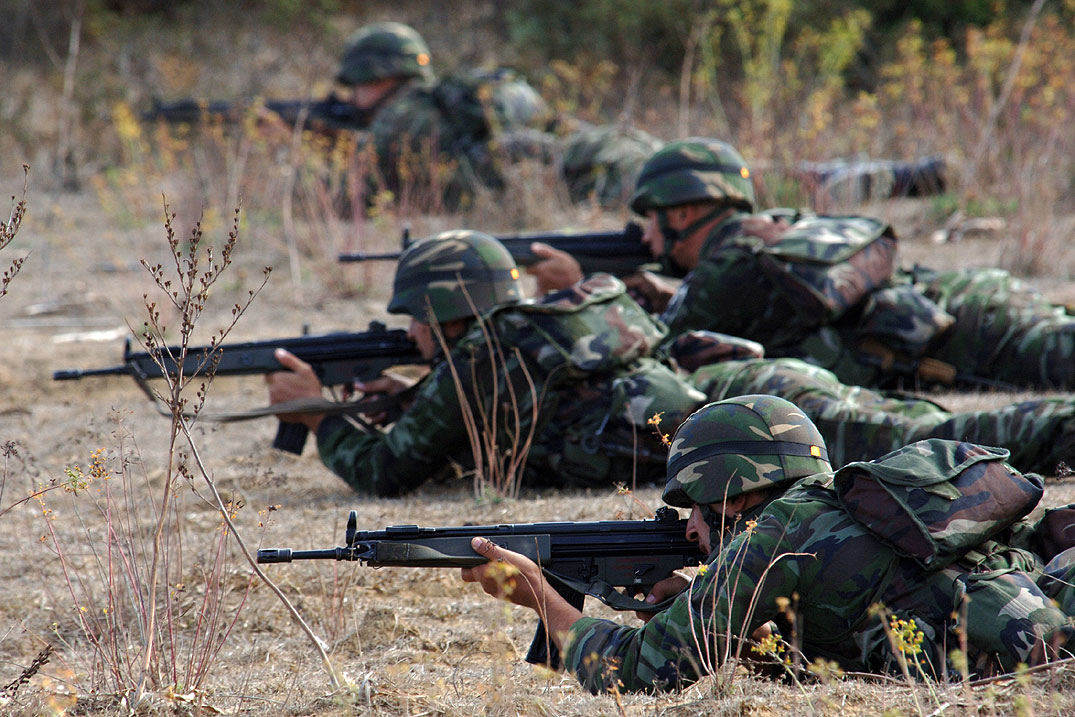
[615,252]
[578,558]
[337,359]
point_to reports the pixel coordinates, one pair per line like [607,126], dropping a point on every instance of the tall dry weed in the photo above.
[8,230]
[154,600]
[500,421]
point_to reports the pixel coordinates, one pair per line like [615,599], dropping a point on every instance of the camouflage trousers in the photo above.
[1004,329]
[862,424]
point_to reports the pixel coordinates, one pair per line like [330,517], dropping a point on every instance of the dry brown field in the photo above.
[84,465]
[411,642]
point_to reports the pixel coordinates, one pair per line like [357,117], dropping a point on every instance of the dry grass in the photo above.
[404,642]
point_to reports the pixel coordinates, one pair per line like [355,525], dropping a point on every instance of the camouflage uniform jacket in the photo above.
[860,424]
[808,566]
[982,323]
[444,136]
[564,385]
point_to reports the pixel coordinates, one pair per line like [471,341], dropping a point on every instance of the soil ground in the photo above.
[412,642]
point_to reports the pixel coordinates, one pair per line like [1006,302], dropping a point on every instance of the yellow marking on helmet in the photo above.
[744,173]
[815,451]
[514,273]
[423,59]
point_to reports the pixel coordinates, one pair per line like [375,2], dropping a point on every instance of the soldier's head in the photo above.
[380,58]
[682,188]
[450,279]
[733,456]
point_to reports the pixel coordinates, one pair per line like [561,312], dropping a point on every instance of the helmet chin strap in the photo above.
[718,522]
[673,236]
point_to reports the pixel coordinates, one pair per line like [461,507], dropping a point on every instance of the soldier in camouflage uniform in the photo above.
[451,135]
[799,558]
[557,391]
[602,161]
[860,424]
[825,289]
[428,134]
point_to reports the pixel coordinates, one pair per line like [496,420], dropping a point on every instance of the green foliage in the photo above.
[748,34]
[284,14]
[938,17]
[623,31]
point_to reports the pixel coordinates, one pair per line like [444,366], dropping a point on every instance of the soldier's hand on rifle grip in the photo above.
[651,291]
[508,575]
[298,382]
[384,385]
[674,584]
[556,269]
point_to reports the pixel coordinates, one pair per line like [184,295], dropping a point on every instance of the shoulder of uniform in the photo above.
[728,232]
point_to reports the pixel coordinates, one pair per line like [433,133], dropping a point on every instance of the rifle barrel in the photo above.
[336,357]
[73,374]
[286,555]
[618,252]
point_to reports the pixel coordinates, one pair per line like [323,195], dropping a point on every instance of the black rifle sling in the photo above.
[608,594]
[300,405]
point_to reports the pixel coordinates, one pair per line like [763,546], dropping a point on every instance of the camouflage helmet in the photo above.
[740,445]
[693,170]
[384,49]
[454,275]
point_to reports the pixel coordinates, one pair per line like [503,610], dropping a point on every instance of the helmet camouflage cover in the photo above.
[384,49]
[740,445]
[693,170]
[454,275]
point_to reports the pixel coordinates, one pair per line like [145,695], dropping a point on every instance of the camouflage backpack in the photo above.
[586,350]
[480,103]
[602,161]
[591,327]
[810,276]
[935,500]
[824,265]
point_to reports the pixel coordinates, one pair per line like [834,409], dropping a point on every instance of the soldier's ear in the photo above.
[732,506]
[455,328]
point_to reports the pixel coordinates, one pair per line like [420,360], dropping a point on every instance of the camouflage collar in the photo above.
[722,231]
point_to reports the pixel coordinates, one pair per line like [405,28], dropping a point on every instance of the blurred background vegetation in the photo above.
[987,84]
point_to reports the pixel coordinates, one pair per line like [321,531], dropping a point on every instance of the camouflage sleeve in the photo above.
[692,307]
[689,639]
[417,446]
[695,349]
[1005,329]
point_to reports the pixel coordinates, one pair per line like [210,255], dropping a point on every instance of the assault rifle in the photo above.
[616,252]
[577,558]
[337,359]
[328,113]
